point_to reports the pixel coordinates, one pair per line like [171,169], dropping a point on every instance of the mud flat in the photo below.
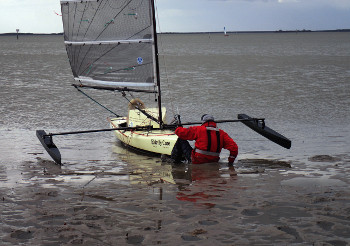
[140,200]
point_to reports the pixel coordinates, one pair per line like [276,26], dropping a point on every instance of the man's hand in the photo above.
[231,160]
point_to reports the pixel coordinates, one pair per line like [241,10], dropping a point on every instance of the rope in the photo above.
[142,111]
[76,87]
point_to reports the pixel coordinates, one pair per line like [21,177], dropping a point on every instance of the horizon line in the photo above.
[199,32]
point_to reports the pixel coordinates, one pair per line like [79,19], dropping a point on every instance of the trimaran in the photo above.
[112,45]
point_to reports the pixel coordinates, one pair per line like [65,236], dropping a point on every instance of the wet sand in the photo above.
[140,200]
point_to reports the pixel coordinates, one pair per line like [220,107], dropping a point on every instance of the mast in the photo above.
[157,64]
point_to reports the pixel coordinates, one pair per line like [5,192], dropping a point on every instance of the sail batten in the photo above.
[79,1]
[110,41]
[112,83]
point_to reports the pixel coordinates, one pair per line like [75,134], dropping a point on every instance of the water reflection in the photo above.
[200,184]
[146,168]
[203,185]
[207,183]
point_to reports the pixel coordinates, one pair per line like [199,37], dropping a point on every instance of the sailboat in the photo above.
[112,45]
[225,33]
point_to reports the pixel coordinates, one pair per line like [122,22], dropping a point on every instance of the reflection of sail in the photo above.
[146,168]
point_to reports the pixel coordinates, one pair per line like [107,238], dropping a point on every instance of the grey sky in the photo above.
[39,16]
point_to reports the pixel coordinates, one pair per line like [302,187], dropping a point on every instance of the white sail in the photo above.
[110,42]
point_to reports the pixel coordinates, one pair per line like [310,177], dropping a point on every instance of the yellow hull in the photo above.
[156,141]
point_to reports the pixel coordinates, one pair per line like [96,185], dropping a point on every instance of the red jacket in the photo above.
[209,142]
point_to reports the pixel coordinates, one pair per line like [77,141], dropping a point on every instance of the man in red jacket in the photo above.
[209,142]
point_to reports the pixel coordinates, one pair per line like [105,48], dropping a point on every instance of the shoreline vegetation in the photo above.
[229,32]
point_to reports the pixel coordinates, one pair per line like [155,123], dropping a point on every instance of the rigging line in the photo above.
[115,46]
[142,111]
[112,7]
[66,33]
[87,3]
[98,8]
[93,18]
[68,12]
[75,12]
[139,31]
[76,87]
[103,31]
[165,64]
[97,58]
[124,69]
[114,17]
[140,3]
[72,35]
[75,56]
[82,61]
[133,9]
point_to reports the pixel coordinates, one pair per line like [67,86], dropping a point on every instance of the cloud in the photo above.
[197,15]
[288,1]
[335,3]
[30,16]
[343,4]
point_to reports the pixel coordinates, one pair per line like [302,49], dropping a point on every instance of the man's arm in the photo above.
[230,145]
[186,133]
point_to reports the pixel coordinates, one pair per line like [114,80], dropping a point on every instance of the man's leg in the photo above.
[182,150]
[186,150]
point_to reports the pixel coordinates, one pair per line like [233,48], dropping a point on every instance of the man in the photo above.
[209,142]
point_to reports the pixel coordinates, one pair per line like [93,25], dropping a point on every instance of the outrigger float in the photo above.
[112,46]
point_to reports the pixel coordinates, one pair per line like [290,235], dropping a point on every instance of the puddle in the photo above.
[324,158]
[266,163]
[321,182]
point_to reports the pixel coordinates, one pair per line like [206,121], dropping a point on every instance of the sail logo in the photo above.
[139,60]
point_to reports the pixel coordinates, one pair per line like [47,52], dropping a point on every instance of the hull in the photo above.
[155,141]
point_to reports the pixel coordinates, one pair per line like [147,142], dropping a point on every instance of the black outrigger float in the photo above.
[259,127]
[50,147]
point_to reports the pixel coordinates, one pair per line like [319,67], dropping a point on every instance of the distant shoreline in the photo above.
[278,31]
[30,34]
[229,32]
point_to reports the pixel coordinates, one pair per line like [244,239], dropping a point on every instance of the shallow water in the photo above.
[105,193]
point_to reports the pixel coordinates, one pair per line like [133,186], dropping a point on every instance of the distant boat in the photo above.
[225,33]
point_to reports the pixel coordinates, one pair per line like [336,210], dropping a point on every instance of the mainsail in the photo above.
[111,42]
